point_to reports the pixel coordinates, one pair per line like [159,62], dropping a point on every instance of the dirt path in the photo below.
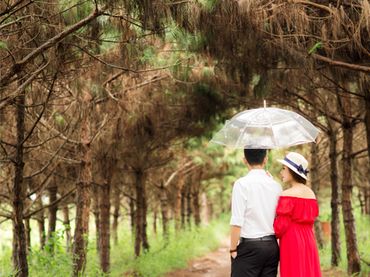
[217,264]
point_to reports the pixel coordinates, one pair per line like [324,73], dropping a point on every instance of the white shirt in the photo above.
[253,204]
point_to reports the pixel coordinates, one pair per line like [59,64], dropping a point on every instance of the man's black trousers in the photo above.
[256,259]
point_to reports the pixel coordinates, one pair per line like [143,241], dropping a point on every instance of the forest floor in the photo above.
[217,264]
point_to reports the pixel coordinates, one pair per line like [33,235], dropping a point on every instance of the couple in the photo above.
[262,212]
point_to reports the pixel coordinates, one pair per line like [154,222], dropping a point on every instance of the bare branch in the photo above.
[49,205]
[17,67]
[355,67]
[11,97]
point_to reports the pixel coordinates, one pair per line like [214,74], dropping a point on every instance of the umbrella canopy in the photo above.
[266,128]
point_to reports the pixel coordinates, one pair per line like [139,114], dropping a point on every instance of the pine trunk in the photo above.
[155,218]
[164,212]
[335,221]
[19,236]
[189,206]
[179,186]
[183,211]
[28,233]
[367,116]
[132,215]
[67,227]
[96,212]
[367,196]
[145,223]
[116,215]
[347,186]
[41,227]
[83,192]
[139,214]
[316,187]
[104,233]
[196,184]
[196,205]
[52,214]
[367,128]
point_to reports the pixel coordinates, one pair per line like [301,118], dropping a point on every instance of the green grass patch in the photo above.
[165,256]
[162,257]
[363,243]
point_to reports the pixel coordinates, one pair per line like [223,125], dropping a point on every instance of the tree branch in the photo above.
[18,66]
[355,67]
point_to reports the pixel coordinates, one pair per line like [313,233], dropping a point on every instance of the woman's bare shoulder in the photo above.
[289,192]
[305,192]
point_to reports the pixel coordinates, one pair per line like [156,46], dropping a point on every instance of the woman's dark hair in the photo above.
[297,177]
[255,156]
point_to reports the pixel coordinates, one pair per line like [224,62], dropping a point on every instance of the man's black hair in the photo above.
[255,156]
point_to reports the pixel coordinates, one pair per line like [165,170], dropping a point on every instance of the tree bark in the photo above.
[144,216]
[179,186]
[67,227]
[139,214]
[164,211]
[182,205]
[196,197]
[335,236]
[104,234]
[41,227]
[196,205]
[132,215]
[83,192]
[348,218]
[52,214]
[366,87]
[189,206]
[361,198]
[367,197]
[19,237]
[96,212]
[221,198]
[155,217]
[316,187]
[28,233]
[116,214]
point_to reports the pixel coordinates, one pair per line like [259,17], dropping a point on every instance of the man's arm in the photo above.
[238,205]
[234,239]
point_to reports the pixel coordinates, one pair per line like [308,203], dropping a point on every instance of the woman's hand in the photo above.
[234,254]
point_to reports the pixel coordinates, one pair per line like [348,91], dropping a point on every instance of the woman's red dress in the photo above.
[294,227]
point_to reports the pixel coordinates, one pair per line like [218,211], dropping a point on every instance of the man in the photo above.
[253,247]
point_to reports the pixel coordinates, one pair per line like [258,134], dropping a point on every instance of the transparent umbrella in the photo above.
[266,128]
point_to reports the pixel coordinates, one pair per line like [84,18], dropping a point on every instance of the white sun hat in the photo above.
[297,163]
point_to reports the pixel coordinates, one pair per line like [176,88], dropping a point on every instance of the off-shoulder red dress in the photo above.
[293,226]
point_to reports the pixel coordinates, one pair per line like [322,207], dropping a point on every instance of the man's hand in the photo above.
[234,239]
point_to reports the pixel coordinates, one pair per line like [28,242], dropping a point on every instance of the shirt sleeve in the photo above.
[238,204]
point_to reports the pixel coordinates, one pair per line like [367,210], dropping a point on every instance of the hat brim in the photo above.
[292,168]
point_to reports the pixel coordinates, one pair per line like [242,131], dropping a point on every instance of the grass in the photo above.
[363,241]
[175,254]
[162,257]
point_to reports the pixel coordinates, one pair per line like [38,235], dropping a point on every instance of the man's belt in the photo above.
[265,238]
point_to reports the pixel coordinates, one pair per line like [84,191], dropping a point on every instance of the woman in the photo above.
[295,214]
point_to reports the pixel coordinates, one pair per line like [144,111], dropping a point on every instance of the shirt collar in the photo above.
[256,171]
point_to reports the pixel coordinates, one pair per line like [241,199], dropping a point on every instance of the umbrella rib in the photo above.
[307,133]
[237,142]
[272,130]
